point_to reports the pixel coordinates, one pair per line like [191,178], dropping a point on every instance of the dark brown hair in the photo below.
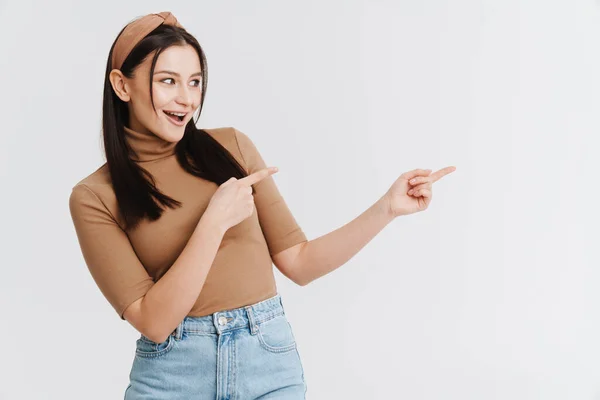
[197,152]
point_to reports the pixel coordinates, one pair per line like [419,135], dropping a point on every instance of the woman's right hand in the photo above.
[233,201]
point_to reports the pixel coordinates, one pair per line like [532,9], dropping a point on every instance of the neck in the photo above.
[147,146]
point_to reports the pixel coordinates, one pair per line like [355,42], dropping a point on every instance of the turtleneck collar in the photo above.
[148,147]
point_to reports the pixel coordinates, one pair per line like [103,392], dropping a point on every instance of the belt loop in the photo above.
[281,302]
[253,327]
[179,330]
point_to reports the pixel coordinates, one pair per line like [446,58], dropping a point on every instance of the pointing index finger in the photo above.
[258,176]
[437,175]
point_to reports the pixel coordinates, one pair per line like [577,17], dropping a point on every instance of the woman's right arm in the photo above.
[153,308]
[171,298]
[156,308]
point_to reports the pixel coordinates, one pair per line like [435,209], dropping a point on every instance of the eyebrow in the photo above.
[175,73]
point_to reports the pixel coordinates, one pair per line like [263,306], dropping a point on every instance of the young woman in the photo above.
[181,226]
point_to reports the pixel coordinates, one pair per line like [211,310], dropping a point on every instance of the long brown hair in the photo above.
[197,152]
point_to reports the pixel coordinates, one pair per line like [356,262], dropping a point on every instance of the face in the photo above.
[176,87]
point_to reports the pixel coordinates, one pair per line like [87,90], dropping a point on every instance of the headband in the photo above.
[135,31]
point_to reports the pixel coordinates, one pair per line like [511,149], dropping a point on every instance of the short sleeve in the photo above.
[107,251]
[279,226]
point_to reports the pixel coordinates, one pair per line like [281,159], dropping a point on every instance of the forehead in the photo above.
[181,59]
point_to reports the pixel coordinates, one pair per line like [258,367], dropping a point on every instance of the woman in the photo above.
[168,229]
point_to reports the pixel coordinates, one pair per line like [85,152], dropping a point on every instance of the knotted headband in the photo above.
[136,31]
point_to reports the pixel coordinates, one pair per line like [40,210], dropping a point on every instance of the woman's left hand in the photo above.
[412,191]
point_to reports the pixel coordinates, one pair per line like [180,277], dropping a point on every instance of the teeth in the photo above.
[177,114]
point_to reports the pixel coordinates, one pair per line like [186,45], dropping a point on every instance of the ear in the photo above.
[117,81]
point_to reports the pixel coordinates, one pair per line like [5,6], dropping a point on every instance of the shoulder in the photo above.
[234,140]
[227,136]
[96,182]
[95,191]
[99,176]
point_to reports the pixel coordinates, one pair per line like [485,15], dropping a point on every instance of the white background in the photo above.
[492,293]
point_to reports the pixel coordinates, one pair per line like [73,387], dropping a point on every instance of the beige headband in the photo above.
[136,31]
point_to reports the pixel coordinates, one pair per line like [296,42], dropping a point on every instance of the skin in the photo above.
[171,92]
[413,190]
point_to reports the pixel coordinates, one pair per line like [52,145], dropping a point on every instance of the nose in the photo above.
[184,96]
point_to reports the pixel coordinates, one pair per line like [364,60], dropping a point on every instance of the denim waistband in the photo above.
[228,320]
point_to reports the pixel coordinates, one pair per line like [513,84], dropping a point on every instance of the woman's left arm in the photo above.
[307,261]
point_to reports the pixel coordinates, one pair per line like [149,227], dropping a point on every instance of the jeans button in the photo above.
[222,320]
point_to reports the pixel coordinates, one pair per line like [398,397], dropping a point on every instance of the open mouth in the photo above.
[175,117]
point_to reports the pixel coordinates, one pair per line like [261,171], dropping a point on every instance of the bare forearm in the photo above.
[168,302]
[326,253]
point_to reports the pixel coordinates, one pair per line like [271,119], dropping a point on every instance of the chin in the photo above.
[170,132]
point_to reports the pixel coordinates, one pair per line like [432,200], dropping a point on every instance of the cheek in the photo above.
[161,97]
[141,101]
[197,100]
[142,110]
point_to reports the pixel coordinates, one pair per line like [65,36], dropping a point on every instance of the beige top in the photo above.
[125,264]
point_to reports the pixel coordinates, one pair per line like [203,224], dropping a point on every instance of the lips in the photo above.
[175,119]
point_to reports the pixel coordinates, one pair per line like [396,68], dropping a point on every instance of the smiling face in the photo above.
[176,88]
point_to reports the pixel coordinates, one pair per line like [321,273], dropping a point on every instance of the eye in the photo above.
[195,80]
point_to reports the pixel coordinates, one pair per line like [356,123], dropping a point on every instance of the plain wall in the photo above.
[491,293]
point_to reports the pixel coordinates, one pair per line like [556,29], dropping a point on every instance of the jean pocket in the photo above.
[148,348]
[275,334]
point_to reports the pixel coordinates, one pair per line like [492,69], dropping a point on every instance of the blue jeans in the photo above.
[245,353]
